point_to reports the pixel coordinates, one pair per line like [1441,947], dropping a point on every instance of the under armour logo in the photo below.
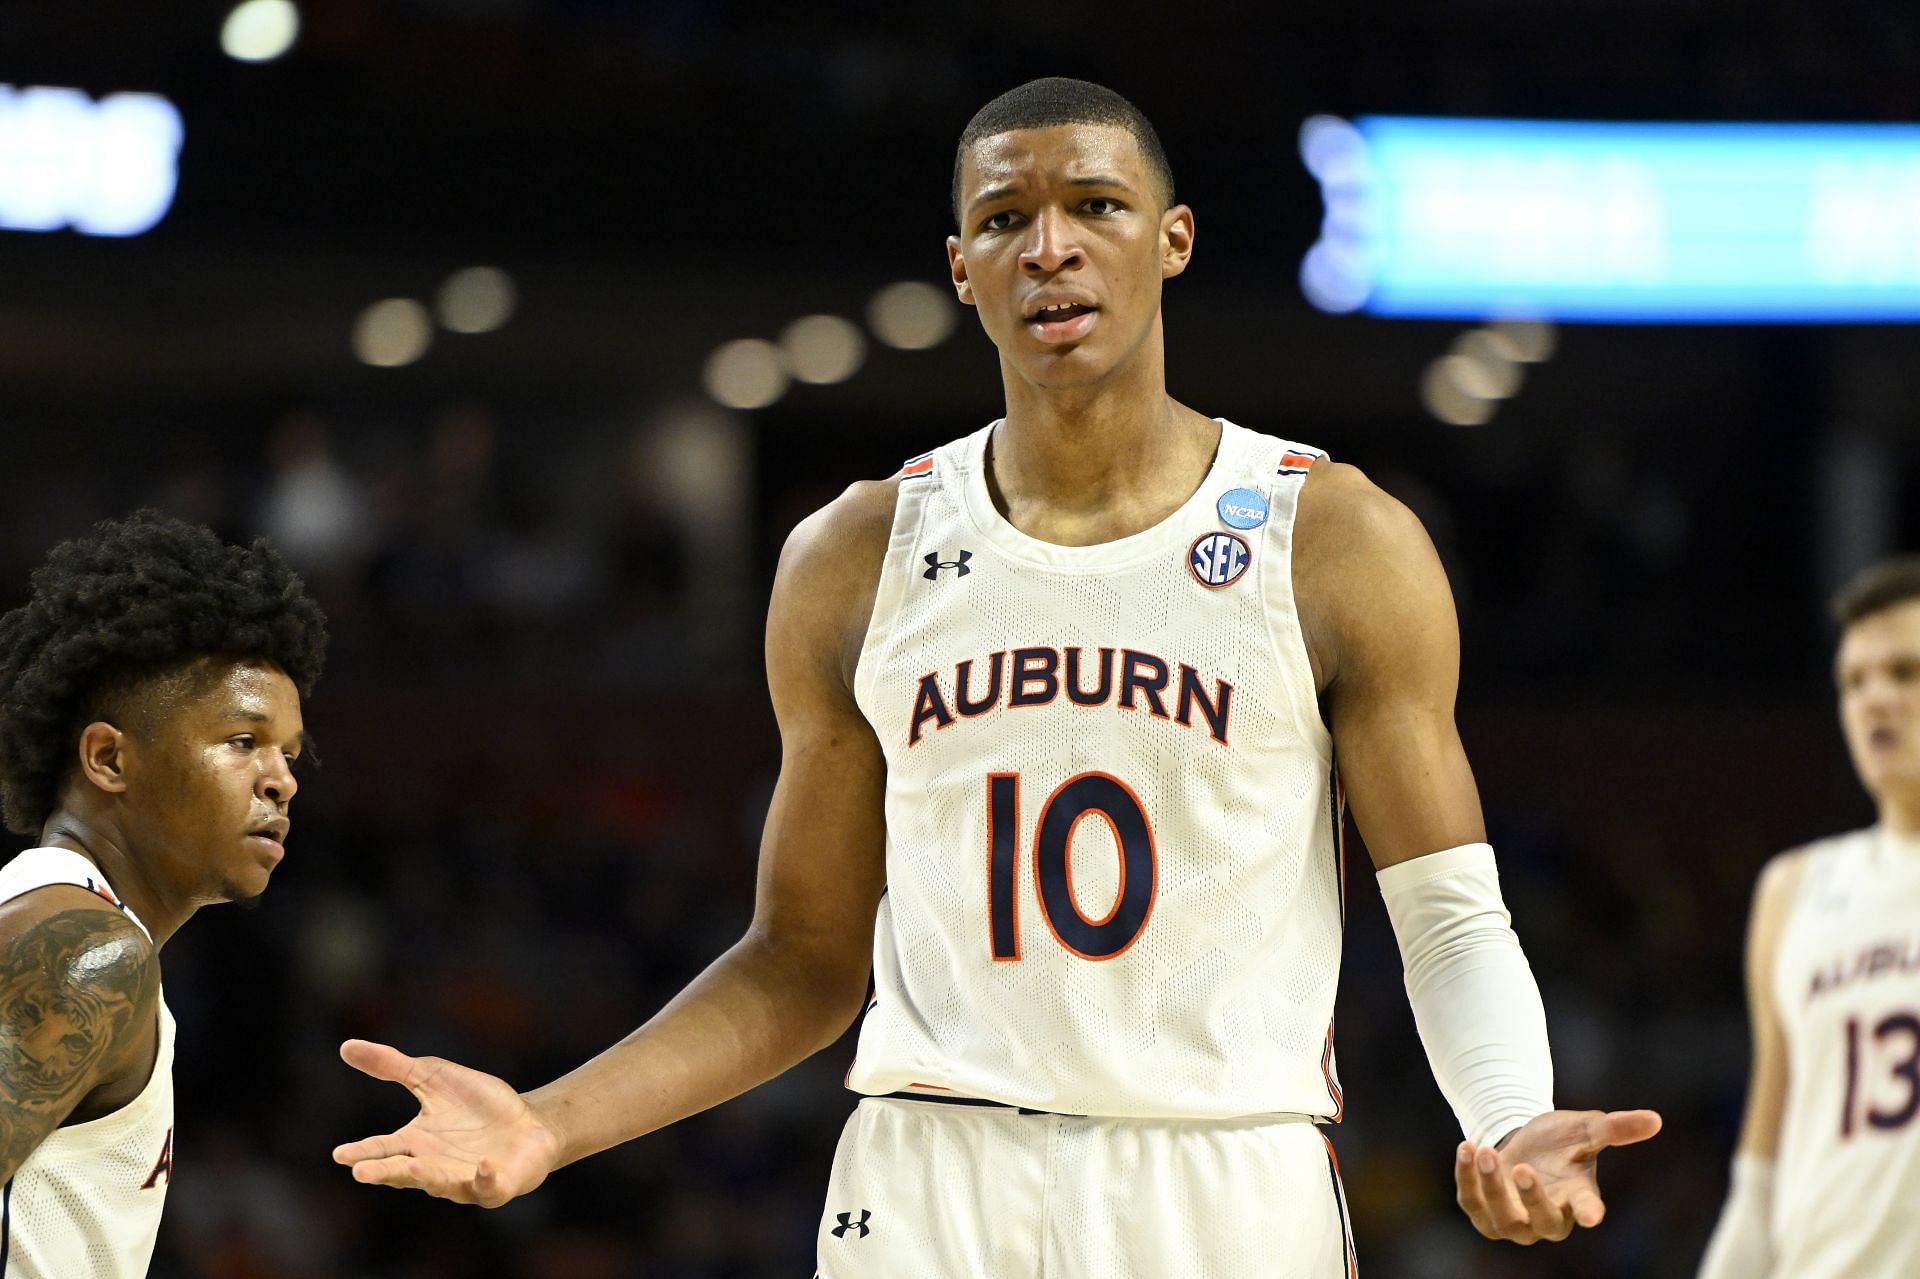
[935,564]
[846,1218]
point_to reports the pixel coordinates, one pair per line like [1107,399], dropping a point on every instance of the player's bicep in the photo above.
[822,857]
[1767,1085]
[1391,697]
[77,989]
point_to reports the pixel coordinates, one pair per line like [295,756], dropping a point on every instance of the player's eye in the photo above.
[1101,206]
[999,221]
[244,742]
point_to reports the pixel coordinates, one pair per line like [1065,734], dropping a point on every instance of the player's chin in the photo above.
[1069,365]
[245,884]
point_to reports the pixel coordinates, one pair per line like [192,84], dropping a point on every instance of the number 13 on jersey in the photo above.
[1081,796]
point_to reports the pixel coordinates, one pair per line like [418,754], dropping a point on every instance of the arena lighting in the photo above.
[392,332]
[822,349]
[747,373]
[260,30]
[1485,365]
[102,168]
[1615,222]
[1449,398]
[478,299]
[912,315]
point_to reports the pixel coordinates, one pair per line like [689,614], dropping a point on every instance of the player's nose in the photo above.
[276,782]
[1051,243]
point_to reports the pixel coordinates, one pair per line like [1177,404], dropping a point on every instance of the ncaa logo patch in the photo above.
[1218,559]
[1242,508]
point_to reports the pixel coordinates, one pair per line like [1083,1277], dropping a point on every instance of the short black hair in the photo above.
[1055,100]
[133,602]
[1877,587]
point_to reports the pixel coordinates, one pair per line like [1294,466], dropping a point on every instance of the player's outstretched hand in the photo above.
[475,1140]
[1543,1183]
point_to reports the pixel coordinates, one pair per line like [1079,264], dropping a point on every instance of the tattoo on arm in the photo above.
[73,990]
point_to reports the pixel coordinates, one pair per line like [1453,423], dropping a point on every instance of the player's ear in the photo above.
[957,264]
[1176,240]
[103,756]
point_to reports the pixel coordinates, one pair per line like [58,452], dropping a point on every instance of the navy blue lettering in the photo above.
[1035,678]
[1143,673]
[1215,712]
[966,705]
[928,705]
[1100,694]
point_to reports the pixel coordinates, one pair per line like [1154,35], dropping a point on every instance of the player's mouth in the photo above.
[1883,738]
[1060,319]
[271,837]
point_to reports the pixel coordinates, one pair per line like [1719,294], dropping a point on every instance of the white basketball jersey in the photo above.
[86,1204]
[1113,856]
[1846,981]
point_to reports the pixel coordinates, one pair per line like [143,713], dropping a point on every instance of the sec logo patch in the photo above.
[1218,559]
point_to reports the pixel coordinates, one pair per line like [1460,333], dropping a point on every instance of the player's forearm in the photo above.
[757,1010]
[1474,997]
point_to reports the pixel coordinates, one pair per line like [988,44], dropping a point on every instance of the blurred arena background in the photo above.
[450,297]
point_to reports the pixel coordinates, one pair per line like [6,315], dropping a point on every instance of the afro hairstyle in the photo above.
[132,603]
[1056,100]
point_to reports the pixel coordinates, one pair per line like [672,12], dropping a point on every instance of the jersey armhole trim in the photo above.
[891,589]
[1289,641]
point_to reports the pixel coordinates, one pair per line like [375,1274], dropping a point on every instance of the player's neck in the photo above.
[131,880]
[1123,441]
[1900,814]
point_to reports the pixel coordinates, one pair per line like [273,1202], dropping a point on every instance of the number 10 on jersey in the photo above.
[1084,795]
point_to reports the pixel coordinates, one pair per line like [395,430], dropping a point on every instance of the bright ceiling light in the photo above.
[477,300]
[1451,400]
[912,315]
[747,373]
[823,348]
[392,332]
[260,30]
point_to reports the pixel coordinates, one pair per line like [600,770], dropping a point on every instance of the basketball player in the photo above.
[1826,1181]
[1059,705]
[149,717]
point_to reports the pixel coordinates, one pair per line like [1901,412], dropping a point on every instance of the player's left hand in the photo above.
[1542,1182]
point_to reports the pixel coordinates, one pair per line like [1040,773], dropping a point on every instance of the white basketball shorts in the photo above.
[950,1190]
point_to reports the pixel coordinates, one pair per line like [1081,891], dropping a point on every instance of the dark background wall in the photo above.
[547,751]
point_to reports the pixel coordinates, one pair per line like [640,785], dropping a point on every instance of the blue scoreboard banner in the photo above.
[1731,223]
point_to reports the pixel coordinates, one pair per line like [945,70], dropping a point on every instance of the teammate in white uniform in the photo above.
[1060,704]
[151,695]
[1826,1183]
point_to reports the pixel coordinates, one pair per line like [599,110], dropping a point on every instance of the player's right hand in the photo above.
[475,1140]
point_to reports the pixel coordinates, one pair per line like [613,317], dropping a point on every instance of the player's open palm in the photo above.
[474,1141]
[1544,1182]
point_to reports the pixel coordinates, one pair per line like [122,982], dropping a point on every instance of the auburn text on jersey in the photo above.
[1042,674]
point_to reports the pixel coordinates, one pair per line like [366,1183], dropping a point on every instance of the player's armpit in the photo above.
[1385,644]
[77,989]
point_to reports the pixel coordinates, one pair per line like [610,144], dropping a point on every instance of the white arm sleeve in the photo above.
[1742,1244]
[1474,998]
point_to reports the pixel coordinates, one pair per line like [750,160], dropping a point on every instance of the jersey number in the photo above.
[1085,795]
[1906,1069]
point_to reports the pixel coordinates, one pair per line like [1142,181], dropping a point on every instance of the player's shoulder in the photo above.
[1787,868]
[1778,885]
[846,539]
[829,576]
[62,935]
[861,515]
[1343,515]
